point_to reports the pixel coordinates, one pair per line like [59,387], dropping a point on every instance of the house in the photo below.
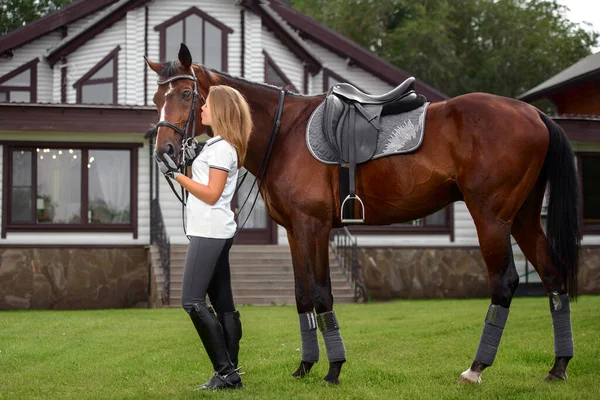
[81,199]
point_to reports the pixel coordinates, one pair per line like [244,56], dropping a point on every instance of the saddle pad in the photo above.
[400,133]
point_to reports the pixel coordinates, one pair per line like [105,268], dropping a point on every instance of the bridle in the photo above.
[187,137]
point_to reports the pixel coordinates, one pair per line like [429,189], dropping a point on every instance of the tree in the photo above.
[459,46]
[17,13]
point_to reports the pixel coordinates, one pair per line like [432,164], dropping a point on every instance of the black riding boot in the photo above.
[232,328]
[211,333]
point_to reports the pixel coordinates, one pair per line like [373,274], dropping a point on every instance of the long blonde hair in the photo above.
[231,118]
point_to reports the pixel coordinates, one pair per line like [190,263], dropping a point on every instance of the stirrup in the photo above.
[353,220]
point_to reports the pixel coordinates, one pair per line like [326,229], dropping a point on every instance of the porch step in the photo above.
[261,275]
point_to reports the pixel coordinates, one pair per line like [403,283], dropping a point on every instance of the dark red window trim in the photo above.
[225,31]
[32,88]
[85,79]
[84,226]
[270,62]
[585,229]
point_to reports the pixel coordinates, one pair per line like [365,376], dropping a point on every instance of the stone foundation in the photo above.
[73,278]
[445,272]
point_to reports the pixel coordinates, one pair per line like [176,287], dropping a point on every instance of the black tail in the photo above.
[564,231]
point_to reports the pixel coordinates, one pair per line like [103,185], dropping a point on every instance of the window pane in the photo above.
[272,77]
[22,80]
[436,219]
[109,187]
[59,186]
[100,93]
[105,72]
[17,96]
[21,207]
[193,37]
[213,55]
[173,40]
[3,97]
[331,81]
[590,169]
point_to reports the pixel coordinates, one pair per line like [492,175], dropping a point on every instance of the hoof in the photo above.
[470,377]
[552,378]
[335,369]
[303,369]
[331,381]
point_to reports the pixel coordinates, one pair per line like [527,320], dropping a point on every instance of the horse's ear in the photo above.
[156,67]
[185,57]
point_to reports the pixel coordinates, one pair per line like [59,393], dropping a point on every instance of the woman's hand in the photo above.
[167,166]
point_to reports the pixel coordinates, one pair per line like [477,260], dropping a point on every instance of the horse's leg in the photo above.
[312,238]
[304,305]
[494,239]
[528,232]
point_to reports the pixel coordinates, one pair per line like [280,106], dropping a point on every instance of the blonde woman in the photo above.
[211,227]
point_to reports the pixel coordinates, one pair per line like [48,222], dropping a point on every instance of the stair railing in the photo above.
[345,249]
[158,237]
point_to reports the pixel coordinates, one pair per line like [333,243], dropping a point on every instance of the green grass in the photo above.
[407,349]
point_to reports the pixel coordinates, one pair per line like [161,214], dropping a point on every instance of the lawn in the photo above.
[406,349]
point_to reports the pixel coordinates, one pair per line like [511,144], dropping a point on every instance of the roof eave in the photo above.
[50,22]
[545,92]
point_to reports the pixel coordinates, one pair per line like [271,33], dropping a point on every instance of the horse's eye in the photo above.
[187,94]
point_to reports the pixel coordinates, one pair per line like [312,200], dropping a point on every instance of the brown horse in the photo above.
[494,153]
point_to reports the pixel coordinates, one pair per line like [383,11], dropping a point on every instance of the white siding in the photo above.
[88,55]
[355,75]
[287,61]
[100,238]
[224,11]
[28,52]
[133,57]
[254,69]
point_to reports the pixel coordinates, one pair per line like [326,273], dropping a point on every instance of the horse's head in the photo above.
[178,99]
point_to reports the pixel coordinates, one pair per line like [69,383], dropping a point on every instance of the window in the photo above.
[437,223]
[203,35]
[330,78]
[589,172]
[99,85]
[20,85]
[275,76]
[71,187]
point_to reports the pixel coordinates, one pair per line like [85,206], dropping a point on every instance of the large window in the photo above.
[205,36]
[20,85]
[275,76]
[71,187]
[99,85]
[589,171]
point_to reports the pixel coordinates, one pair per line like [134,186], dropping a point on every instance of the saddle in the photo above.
[351,126]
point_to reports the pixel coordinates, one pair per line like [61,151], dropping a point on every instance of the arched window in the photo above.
[203,35]
[99,85]
[20,85]
[275,76]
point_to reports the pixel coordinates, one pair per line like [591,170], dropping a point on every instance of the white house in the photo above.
[76,107]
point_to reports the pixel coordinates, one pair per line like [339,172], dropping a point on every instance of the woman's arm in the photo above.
[210,193]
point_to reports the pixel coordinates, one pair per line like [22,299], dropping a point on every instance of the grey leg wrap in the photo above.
[560,308]
[329,327]
[310,340]
[495,321]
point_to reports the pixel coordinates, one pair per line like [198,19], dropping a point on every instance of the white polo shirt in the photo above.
[216,221]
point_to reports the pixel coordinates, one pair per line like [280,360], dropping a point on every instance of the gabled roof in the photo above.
[51,22]
[583,70]
[107,17]
[365,59]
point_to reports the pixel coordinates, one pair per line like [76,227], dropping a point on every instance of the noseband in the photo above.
[187,136]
